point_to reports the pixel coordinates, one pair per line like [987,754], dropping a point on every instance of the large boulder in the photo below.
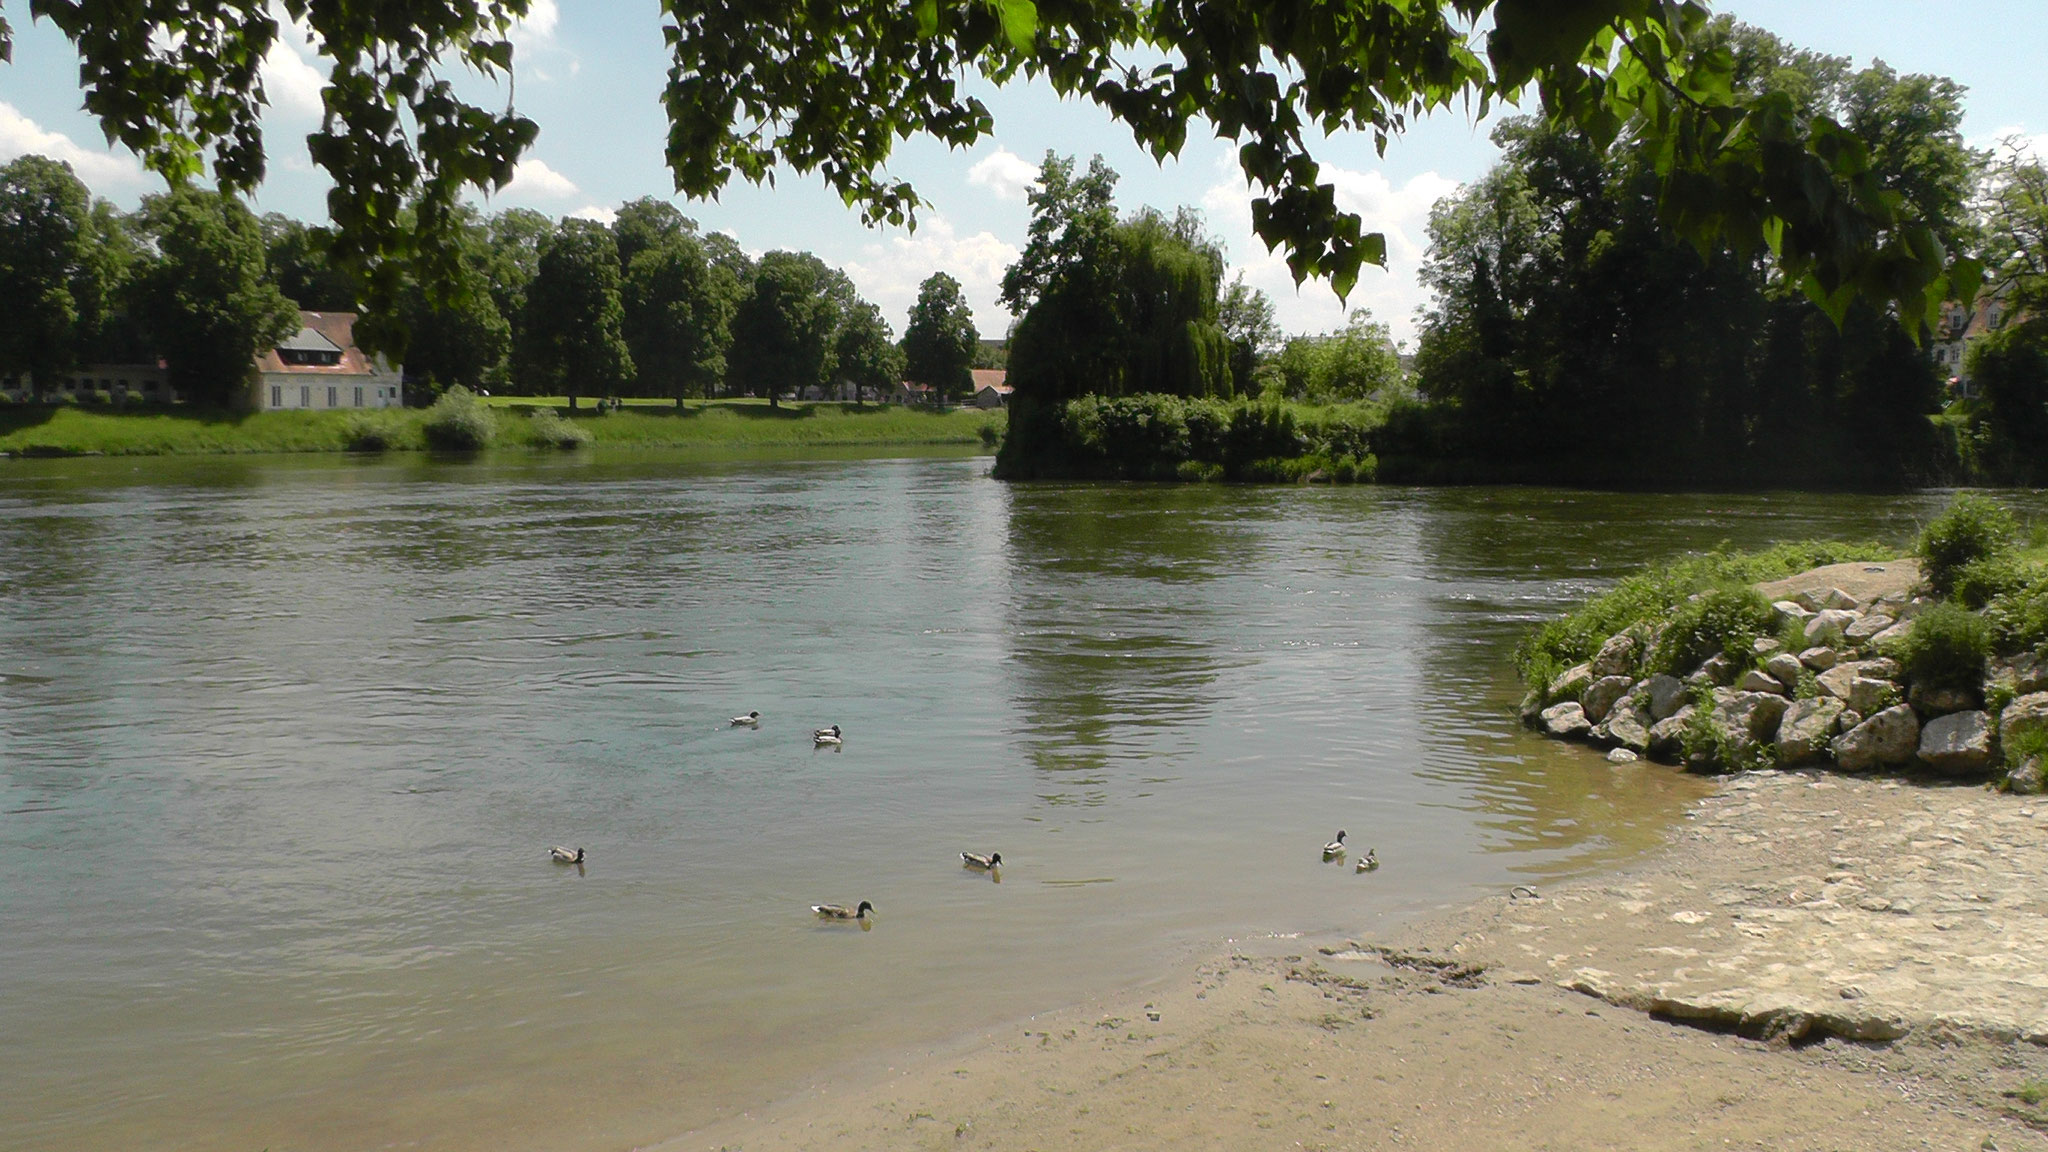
[1896,632]
[1958,744]
[1717,671]
[1870,696]
[1928,700]
[1617,657]
[1566,720]
[1789,612]
[1756,680]
[1600,695]
[1627,726]
[1785,668]
[2025,674]
[1839,680]
[2025,777]
[1866,627]
[1666,734]
[1571,682]
[1820,658]
[1822,599]
[1888,738]
[1664,694]
[2024,720]
[1827,626]
[1749,717]
[1806,728]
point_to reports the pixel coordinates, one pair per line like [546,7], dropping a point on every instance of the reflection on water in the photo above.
[286,741]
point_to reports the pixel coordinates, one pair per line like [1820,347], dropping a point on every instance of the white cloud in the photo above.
[1005,173]
[889,274]
[534,180]
[536,29]
[291,84]
[1393,293]
[21,136]
[2033,144]
[598,212]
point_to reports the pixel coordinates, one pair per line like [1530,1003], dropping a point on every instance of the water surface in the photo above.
[283,744]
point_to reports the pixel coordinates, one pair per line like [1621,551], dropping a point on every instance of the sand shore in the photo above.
[1813,962]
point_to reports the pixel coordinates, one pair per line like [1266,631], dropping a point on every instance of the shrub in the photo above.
[1724,621]
[459,422]
[1970,529]
[548,429]
[366,433]
[99,396]
[1981,581]
[1946,648]
[2019,619]
[991,431]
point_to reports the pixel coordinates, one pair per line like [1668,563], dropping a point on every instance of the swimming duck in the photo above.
[1334,848]
[750,720]
[1368,862]
[841,911]
[827,736]
[561,855]
[977,860]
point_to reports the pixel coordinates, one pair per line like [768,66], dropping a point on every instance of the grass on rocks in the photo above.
[524,422]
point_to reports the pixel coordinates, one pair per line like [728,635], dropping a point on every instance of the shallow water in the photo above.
[283,744]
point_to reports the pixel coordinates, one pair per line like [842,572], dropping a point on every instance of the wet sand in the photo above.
[1710,995]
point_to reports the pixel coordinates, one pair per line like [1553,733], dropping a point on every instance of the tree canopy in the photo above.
[830,88]
[939,340]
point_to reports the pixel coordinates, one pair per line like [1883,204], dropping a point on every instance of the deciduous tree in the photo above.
[51,282]
[570,338]
[939,340]
[204,296]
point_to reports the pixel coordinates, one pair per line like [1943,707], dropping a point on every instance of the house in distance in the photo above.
[320,366]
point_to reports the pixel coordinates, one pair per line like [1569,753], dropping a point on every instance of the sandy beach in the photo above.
[1814,961]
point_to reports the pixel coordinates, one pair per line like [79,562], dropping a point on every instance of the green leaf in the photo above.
[1020,22]
[927,13]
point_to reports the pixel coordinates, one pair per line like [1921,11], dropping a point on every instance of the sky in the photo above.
[591,75]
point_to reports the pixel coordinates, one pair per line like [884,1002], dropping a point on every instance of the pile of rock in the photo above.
[1856,708]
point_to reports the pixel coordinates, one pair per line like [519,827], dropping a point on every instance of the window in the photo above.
[359,396]
[330,395]
[277,395]
[305,396]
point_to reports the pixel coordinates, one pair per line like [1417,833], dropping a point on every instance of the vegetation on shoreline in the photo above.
[68,430]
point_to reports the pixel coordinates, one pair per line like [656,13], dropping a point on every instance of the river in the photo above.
[284,743]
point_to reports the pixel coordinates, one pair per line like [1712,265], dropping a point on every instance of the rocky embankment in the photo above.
[1839,699]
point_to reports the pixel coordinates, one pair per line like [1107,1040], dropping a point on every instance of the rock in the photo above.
[1823,599]
[1871,696]
[1718,670]
[2024,719]
[1928,700]
[1764,645]
[1621,756]
[1664,694]
[1789,611]
[1627,725]
[1571,682]
[1866,627]
[1914,607]
[1819,659]
[2025,777]
[1785,668]
[1890,737]
[1665,734]
[1749,717]
[1617,657]
[1828,625]
[1600,695]
[1888,606]
[1847,721]
[1567,720]
[1896,632]
[1758,681]
[1806,727]
[1958,744]
[1838,681]
[2026,674]
[1531,708]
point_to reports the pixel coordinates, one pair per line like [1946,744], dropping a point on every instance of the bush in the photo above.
[2018,619]
[1970,529]
[459,422]
[99,396]
[991,431]
[1946,648]
[1724,621]
[363,432]
[1980,582]
[549,430]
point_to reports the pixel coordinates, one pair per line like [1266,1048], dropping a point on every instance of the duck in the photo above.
[750,720]
[985,863]
[561,855]
[841,911]
[1368,862]
[827,736]
[1334,848]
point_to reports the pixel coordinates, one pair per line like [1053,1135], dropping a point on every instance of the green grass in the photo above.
[66,430]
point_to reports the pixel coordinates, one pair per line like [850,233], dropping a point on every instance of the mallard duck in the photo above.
[841,911]
[750,720]
[1334,848]
[561,855]
[1368,862]
[976,860]
[827,736]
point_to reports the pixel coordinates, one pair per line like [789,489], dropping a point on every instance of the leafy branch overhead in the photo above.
[829,86]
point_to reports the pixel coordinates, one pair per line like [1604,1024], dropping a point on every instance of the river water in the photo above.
[284,743]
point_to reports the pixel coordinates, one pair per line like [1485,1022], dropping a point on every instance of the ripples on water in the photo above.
[286,742]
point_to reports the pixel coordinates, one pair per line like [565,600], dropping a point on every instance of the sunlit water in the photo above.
[286,742]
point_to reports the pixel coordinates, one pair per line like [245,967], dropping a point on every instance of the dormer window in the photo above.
[303,357]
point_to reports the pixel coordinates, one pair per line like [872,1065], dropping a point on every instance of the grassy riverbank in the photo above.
[72,431]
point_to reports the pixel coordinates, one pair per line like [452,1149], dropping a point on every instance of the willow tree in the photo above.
[829,88]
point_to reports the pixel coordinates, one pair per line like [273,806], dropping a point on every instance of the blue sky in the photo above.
[591,74]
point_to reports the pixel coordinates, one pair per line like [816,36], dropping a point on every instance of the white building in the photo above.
[320,366]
